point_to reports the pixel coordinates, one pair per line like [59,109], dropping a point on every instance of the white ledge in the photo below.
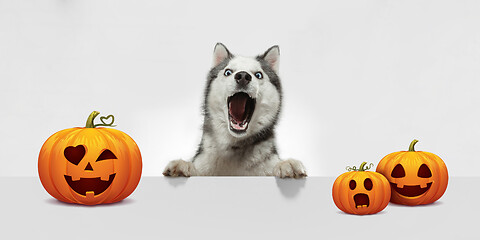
[231,208]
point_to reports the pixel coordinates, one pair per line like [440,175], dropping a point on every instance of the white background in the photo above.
[361,78]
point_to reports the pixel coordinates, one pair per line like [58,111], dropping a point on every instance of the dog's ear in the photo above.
[272,57]
[220,53]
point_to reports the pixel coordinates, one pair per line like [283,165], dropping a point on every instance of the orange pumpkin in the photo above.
[361,192]
[416,177]
[90,165]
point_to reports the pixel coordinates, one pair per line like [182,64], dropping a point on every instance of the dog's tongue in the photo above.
[237,107]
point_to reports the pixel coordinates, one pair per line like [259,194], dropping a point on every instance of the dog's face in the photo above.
[243,93]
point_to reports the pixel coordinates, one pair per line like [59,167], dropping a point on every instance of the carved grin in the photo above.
[84,185]
[410,191]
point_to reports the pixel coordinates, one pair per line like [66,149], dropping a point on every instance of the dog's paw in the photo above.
[289,168]
[179,168]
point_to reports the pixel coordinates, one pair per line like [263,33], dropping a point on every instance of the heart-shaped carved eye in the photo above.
[398,171]
[74,154]
[107,154]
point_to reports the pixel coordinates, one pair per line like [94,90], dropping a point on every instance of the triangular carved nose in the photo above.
[88,167]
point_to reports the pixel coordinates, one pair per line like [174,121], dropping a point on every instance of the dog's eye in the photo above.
[259,75]
[228,72]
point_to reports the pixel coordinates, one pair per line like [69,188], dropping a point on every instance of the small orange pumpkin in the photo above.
[90,165]
[361,192]
[416,177]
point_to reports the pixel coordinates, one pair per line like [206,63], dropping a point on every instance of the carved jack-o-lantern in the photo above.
[90,165]
[416,177]
[361,192]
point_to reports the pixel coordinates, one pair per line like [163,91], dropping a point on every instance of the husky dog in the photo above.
[242,103]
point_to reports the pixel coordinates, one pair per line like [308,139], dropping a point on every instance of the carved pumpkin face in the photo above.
[88,175]
[415,177]
[90,165]
[361,192]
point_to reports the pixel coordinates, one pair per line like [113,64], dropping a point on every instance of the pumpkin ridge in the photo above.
[386,189]
[127,156]
[47,160]
[425,158]
[336,186]
[57,153]
[341,200]
[69,139]
[380,182]
[438,165]
[111,146]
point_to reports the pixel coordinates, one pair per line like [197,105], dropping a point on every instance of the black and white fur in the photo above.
[225,150]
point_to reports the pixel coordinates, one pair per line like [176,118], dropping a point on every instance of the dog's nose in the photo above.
[243,78]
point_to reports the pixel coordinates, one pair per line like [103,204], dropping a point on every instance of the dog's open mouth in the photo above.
[240,111]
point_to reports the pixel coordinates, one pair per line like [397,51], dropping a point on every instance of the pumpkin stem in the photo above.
[412,145]
[362,167]
[93,115]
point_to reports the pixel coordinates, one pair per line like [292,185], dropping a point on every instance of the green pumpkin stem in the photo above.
[363,167]
[93,115]
[412,145]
